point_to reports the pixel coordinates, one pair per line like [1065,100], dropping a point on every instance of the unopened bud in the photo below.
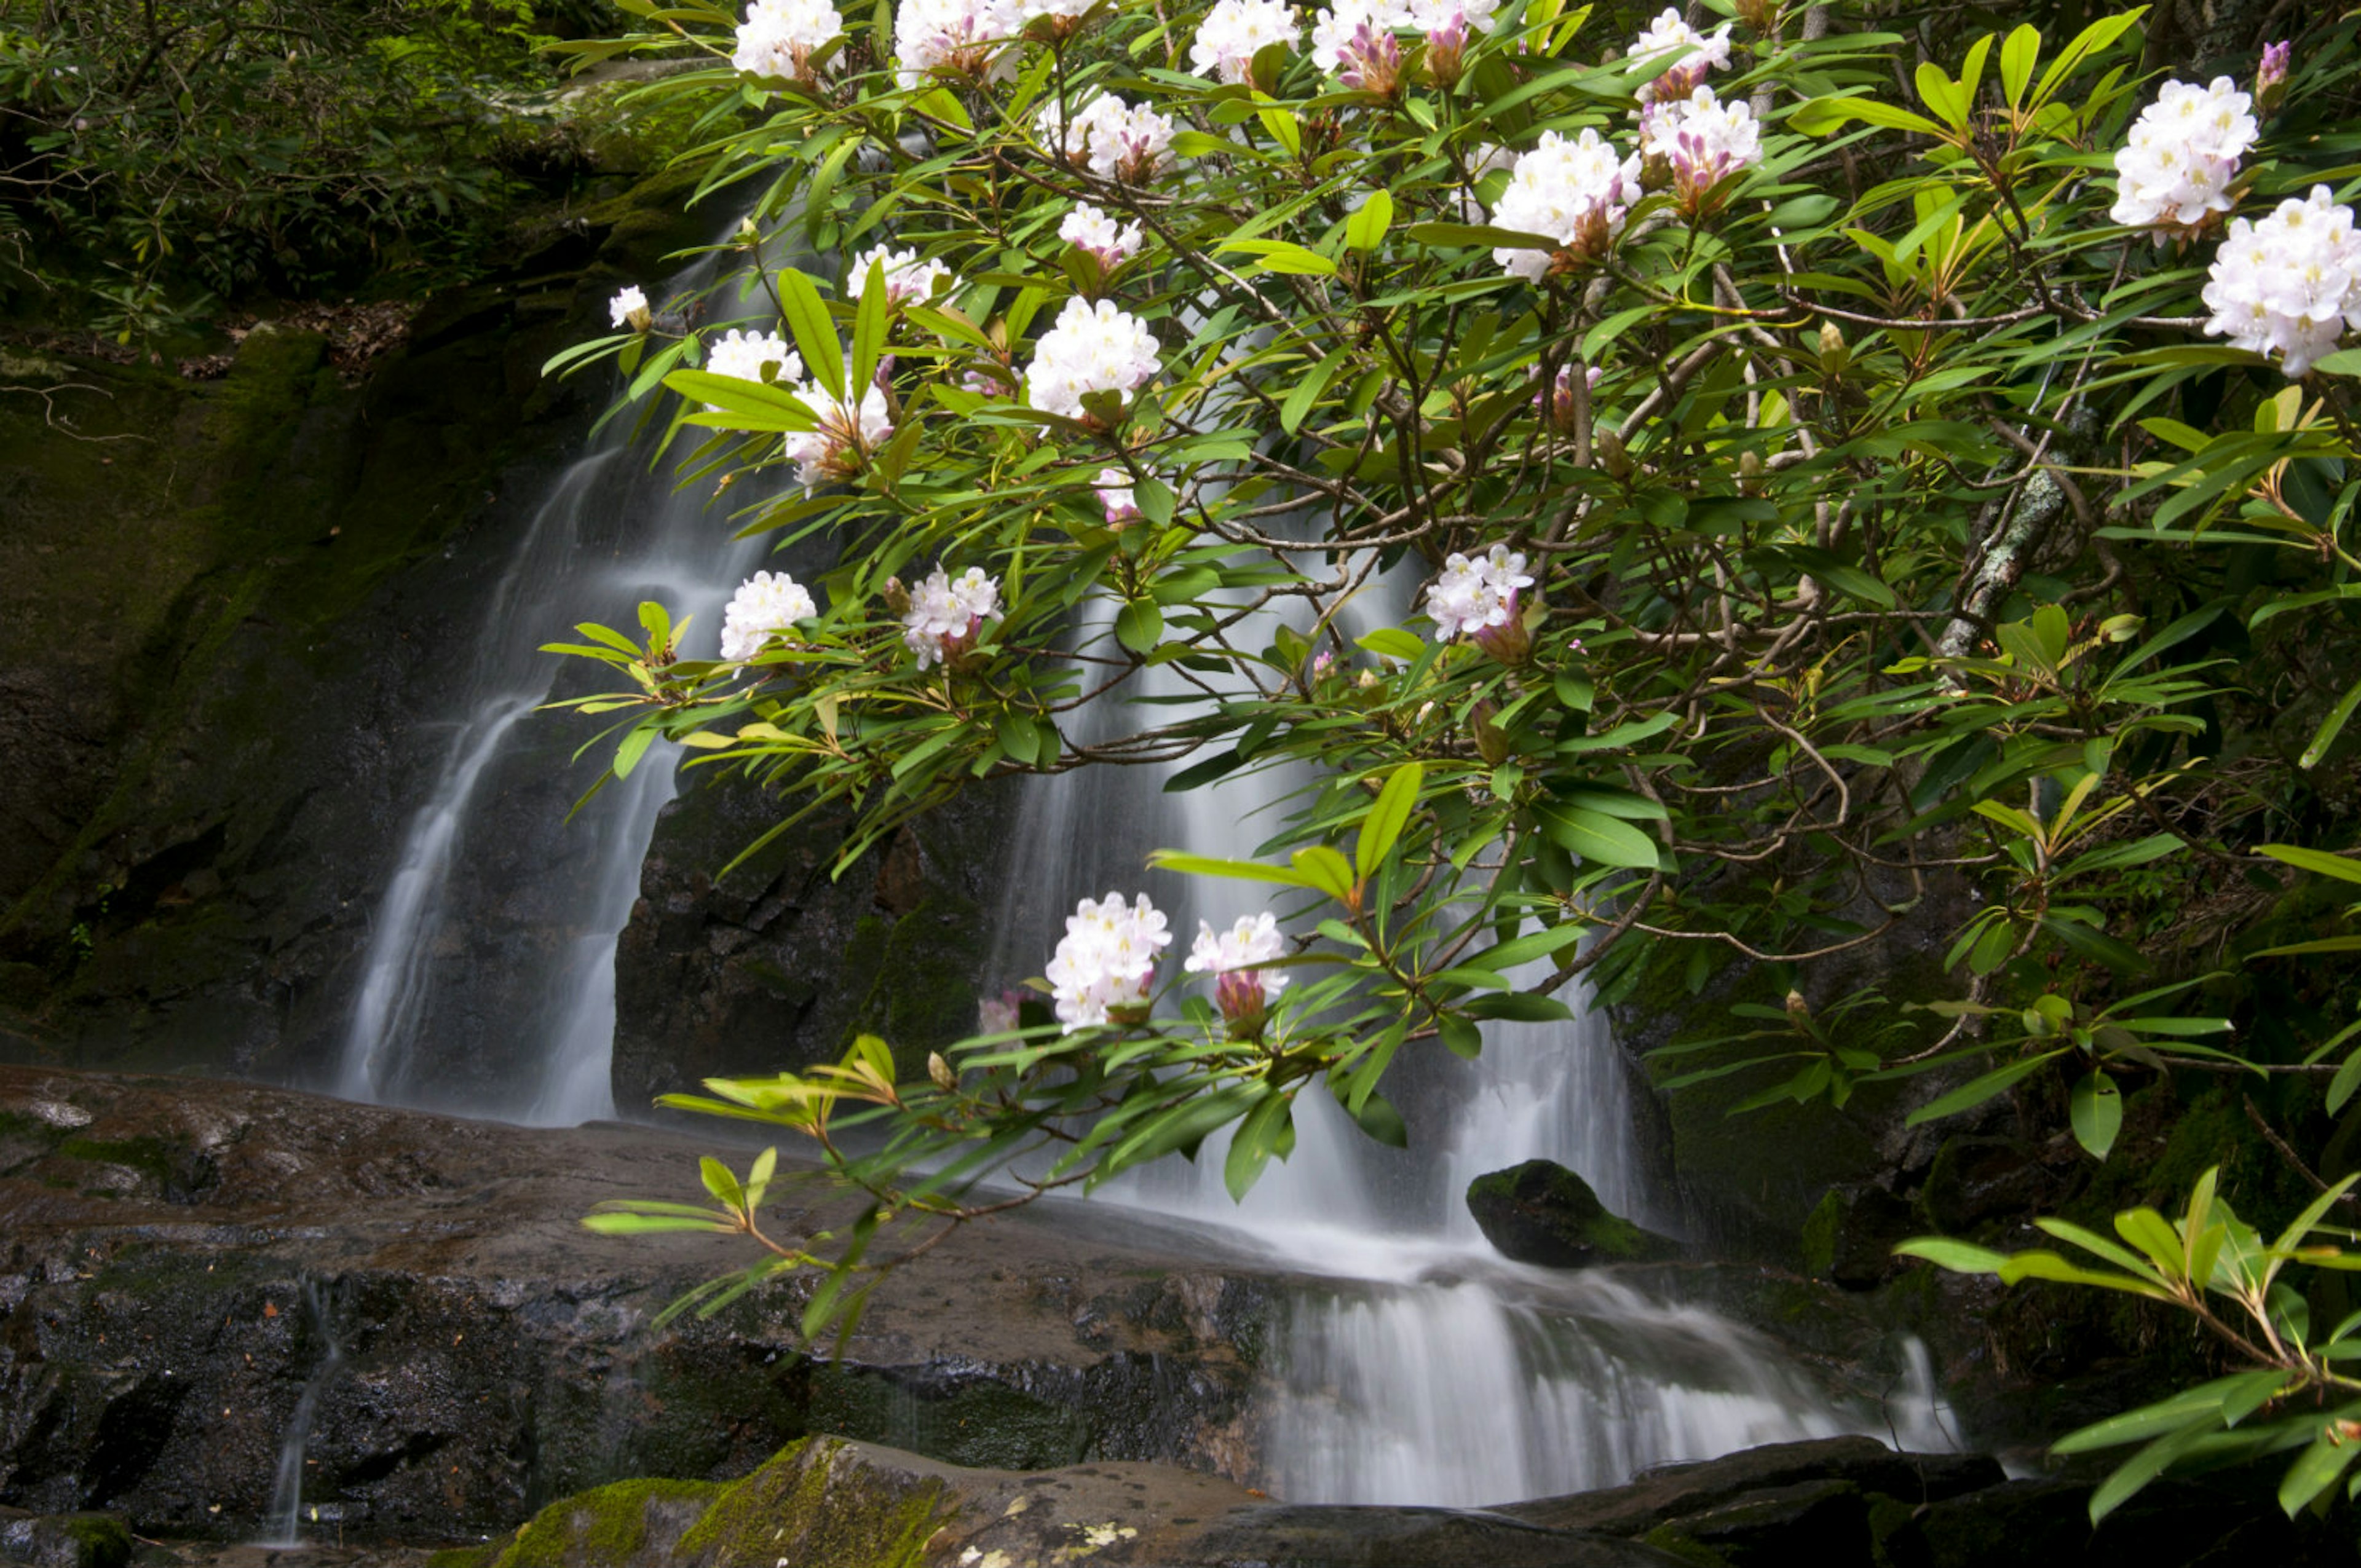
[1491,741]
[748,234]
[1750,473]
[1835,354]
[2270,80]
[897,598]
[1612,455]
[1761,15]
[1796,1006]
[1369,679]
[940,1071]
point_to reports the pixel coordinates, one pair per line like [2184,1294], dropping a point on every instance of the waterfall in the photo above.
[1420,1366]
[286,1527]
[487,982]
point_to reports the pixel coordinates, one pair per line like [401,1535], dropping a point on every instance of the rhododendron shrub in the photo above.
[1682,504]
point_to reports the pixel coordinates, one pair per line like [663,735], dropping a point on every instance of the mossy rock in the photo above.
[620,1526]
[1542,1212]
[817,1504]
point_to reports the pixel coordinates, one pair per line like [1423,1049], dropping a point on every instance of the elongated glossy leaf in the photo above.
[1960,1258]
[2345,868]
[1977,1090]
[1252,1146]
[1598,838]
[1390,813]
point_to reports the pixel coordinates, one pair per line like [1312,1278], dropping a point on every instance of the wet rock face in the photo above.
[183,1263]
[780,961]
[1542,1212]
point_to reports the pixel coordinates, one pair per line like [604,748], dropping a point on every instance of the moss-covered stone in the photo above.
[1542,1212]
[618,1526]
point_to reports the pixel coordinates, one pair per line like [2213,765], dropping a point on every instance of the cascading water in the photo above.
[1422,1367]
[286,1529]
[488,985]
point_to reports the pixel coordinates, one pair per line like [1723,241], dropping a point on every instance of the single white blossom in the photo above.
[2174,170]
[1470,598]
[1090,228]
[764,605]
[1696,55]
[906,276]
[630,306]
[2288,284]
[945,614]
[1235,31]
[959,38]
[1576,193]
[778,38]
[1704,141]
[1243,993]
[1105,964]
[1093,348]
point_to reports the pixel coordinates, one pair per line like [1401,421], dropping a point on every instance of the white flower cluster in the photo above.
[1704,139]
[2290,284]
[1118,140]
[778,38]
[1090,228]
[1235,31]
[1696,55]
[1105,963]
[946,613]
[1471,596]
[963,38]
[629,307]
[1242,992]
[1345,27]
[2173,175]
[1576,193]
[1093,348]
[764,605]
[906,276]
[744,353]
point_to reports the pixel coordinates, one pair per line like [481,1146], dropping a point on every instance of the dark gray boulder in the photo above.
[1542,1212]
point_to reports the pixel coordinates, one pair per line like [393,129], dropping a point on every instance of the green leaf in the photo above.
[1139,626]
[722,1183]
[1280,255]
[1252,1146]
[1386,642]
[1960,1258]
[1378,1118]
[2330,729]
[1977,1090]
[1325,869]
[1239,871]
[1386,818]
[2096,1110]
[1365,229]
[1597,838]
[2315,1470]
[2343,867]
[2017,55]
[869,324]
[814,330]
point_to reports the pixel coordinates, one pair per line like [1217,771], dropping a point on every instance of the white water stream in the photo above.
[525,1031]
[1424,1368]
